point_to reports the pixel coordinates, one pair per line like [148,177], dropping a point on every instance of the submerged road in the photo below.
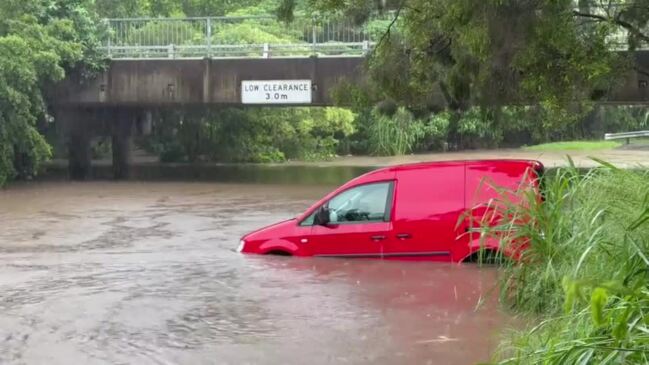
[135,273]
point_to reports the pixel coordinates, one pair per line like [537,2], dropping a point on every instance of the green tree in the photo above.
[121,9]
[192,8]
[547,53]
[38,40]
[215,7]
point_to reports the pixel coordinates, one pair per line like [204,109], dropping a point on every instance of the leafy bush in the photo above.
[101,148]
[251,135]
[394,135]
[172,152]
[478,130]
[164,32]
[436,131]
[265,154]
[249,32]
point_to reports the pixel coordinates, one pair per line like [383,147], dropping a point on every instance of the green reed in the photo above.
[585,274]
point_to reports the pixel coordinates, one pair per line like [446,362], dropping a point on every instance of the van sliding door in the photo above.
[429,201]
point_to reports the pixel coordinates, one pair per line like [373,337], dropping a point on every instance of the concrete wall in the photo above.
[151,83]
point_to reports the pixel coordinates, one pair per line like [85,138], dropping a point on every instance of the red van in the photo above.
[415,211]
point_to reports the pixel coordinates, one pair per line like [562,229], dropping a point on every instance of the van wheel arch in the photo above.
[278,253]
[487,256]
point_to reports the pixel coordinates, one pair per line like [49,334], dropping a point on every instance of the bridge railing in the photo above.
[222,37]
[254,37]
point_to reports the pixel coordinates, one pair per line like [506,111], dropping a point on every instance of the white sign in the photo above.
[276,92]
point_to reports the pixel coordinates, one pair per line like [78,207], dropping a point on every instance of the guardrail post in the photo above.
[170,51]
[209,37]
[366,47]
[266,52]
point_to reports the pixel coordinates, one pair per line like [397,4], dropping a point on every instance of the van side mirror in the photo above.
[322,216]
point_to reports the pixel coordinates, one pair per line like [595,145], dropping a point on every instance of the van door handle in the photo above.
[404,236]
[378,238]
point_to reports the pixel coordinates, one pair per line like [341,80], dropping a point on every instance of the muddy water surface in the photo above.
[146,273]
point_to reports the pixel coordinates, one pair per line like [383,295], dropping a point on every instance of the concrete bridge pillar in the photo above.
[144,123]
[79,156]
[80,125]
[122,141]
[75,125]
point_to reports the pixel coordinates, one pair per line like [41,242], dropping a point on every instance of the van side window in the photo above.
[364,203]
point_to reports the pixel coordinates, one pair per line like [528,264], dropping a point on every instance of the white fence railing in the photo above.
[258,37]
[222,37]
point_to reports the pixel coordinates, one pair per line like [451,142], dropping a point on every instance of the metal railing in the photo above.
[249,37]
[254,37]
[626,135]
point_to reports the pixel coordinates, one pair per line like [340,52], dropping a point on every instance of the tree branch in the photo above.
[411,8]
[588,15]
[387,32]
[615,20]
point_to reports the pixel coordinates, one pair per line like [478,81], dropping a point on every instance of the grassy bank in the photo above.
[586,274]
[573,146]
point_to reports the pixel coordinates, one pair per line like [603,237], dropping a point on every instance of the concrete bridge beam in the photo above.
[177,83]
[173,83]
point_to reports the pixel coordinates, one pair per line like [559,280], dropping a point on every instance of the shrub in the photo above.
[394,135]
[173,152]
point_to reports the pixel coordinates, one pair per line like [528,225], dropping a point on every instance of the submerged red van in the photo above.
[416,211]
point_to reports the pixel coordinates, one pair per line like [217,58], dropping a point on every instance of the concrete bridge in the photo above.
[170,69]
[193,63]
[120,101]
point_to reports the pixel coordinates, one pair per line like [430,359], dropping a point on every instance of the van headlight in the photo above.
[242,244]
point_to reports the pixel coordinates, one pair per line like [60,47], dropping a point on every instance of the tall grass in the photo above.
[574,146]
[585,272]
[394,135]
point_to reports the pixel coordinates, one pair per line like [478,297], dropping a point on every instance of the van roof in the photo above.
[382,173]
[418,165]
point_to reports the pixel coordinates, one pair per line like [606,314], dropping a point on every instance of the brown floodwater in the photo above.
[146,273]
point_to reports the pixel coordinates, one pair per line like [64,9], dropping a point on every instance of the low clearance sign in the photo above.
[276,92]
